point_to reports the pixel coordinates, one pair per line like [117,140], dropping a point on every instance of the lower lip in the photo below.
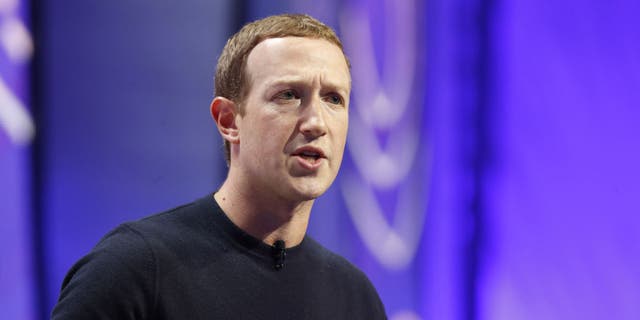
[311,165]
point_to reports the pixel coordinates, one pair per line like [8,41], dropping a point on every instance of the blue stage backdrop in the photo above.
[562,198]
[16,133]
[126,88]
[490,173]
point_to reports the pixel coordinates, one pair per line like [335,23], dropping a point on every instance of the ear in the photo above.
[224,113]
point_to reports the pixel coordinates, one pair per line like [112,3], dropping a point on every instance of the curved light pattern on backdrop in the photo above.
[380,104]
[16,42]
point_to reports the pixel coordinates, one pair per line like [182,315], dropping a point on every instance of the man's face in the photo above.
[294,128]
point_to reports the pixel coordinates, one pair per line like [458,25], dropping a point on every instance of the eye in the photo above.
[334,98]
[287,95]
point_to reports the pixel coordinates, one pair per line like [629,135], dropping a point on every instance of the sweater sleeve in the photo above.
[116,280]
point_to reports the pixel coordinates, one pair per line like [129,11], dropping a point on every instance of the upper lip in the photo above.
[309,150]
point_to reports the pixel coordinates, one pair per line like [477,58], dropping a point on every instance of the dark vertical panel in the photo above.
[125,92]
[37,159]
[476,75]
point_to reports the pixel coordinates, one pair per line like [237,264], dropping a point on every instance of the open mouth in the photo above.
[310,155]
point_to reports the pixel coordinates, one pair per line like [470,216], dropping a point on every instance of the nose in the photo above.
[312,119]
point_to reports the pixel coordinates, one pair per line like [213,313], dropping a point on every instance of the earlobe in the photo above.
[223,112]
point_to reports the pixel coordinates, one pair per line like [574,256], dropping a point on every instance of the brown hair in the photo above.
[231,80]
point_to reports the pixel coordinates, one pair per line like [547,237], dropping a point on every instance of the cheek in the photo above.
[253,138]
[270,141]
[340,135]
[340,129]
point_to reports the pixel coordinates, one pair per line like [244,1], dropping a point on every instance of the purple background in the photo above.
[523,192]
[17,281]
[563,202]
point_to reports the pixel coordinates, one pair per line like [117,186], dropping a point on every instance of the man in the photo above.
[281,106]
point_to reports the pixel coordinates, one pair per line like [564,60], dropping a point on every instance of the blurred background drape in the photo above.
[491,170]
[17,268]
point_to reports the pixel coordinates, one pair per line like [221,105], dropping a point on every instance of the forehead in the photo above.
[298,57]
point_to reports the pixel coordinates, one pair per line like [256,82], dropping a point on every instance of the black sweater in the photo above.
[192,262]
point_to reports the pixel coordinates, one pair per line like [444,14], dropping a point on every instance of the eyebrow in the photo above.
[293,80]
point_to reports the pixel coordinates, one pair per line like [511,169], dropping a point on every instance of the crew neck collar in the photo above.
[241,238]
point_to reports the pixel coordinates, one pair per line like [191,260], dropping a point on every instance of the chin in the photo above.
[310,195]
[307,188]
[306,193]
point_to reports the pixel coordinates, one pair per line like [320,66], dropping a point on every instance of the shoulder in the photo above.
[115,279]
[119,276]
[185,216]
[333,262]
[353,282]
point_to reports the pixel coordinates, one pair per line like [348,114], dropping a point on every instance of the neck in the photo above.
[264,216]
